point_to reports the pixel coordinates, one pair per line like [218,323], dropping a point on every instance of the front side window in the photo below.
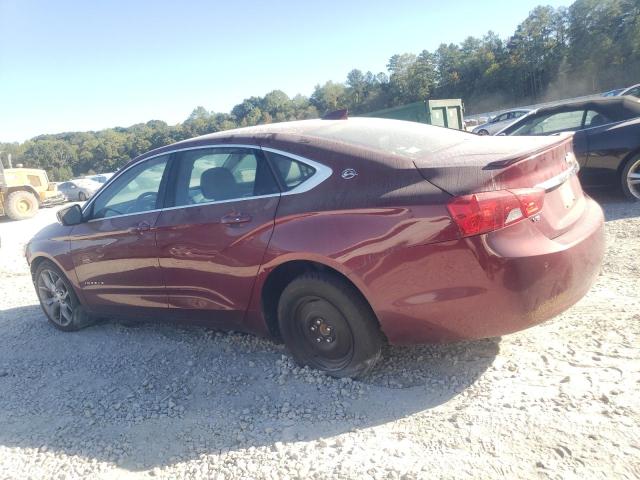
[551,123]
[220,174]
[34,180]
[135,191]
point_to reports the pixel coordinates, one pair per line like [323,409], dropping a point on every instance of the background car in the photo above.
[620,92]
[606,139]
[100,177]
[499,122]
[334,235]
[79,190]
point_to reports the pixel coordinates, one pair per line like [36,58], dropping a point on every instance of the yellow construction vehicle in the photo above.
[24,190]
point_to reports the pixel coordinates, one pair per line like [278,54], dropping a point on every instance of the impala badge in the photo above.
[349,173]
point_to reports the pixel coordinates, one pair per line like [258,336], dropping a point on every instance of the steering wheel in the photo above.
[106,209]
[145,201]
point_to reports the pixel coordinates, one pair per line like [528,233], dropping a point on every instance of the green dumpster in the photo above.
[444,113]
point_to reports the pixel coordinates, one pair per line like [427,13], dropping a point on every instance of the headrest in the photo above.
[218,184]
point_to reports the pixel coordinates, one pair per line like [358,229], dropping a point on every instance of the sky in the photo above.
[86,65]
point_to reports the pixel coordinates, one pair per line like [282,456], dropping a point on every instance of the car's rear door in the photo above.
[114,251]
[212,241]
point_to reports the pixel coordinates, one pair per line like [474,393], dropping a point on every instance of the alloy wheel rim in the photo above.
[55,298]
[633,179]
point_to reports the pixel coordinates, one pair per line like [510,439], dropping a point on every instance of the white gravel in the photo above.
[115,401]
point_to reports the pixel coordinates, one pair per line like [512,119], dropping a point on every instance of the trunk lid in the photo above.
[485,164]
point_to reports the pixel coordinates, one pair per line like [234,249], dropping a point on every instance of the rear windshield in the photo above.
[408,139]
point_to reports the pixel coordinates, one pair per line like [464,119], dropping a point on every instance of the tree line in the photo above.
[555,53]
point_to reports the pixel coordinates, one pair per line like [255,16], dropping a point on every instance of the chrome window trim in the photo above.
[321,174]
[212,202]
[123,215]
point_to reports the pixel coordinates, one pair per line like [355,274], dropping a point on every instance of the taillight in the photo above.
[487,211]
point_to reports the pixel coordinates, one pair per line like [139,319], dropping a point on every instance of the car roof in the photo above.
[394,137]
[611,106]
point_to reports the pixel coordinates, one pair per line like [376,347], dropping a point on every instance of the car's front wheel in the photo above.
[327,324]
[483,132]
[82,197]
[57,298]
[631,179]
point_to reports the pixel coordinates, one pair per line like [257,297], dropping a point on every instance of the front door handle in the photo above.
[235,219]
[140,228]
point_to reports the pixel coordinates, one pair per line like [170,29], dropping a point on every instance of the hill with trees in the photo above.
[593,45]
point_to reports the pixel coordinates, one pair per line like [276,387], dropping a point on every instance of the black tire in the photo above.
[631,174]
[483,132]
[58,299]
[326,324]
[82,197]
[21,205]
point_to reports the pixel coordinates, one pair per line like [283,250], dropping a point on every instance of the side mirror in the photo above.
[70,216]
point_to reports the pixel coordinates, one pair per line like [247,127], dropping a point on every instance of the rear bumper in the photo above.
[485,286]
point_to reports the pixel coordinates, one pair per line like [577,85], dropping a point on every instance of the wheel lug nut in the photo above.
[313,328]
[318,322]
[318,339]
[329,340]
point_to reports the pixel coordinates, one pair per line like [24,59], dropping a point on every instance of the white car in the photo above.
[100,177]
[500,121]
[80,189]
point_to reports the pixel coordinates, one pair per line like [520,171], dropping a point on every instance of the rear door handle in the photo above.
[235,219]
[140,228]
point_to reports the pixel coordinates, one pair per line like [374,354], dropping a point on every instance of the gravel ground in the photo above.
[560,400]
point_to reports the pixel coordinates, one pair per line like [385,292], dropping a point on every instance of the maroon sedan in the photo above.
[333,235]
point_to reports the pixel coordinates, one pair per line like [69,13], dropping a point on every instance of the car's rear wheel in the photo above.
[631,179]
[57,298]
[82,197]
[327,324]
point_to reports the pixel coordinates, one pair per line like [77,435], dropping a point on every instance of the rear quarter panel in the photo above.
[348,224]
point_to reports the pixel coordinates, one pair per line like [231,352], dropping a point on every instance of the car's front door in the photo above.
[211,243]
[114,250]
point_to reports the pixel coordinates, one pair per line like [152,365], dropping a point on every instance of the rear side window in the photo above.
[595,119]
[291,172]
[222,174]
[551,123]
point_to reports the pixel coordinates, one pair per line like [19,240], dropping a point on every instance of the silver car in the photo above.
[79,190]
[100,177]
[620,92]
[500,121]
